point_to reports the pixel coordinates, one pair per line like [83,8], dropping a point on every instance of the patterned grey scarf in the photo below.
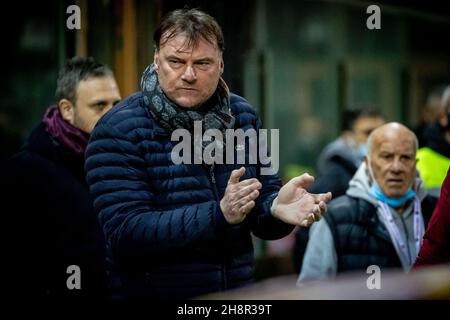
[215,114]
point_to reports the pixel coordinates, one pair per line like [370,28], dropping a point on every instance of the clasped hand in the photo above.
[294,205]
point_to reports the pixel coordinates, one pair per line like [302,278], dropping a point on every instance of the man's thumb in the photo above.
[304,181]
[236,175]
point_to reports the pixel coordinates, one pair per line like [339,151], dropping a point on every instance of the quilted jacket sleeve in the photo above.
[131,223]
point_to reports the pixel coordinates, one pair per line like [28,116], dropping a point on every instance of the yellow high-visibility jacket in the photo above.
[433,167]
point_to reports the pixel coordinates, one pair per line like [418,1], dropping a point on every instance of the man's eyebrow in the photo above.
[204,59]
[408,153]
[173,56]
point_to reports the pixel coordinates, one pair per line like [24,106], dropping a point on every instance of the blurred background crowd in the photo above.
[311,68]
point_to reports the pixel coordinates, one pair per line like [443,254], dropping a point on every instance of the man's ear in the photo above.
[443,119]
[222,66]
[66,109]
[156,59]
[369,176]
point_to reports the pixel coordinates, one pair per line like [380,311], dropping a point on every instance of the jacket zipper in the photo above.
[216,194]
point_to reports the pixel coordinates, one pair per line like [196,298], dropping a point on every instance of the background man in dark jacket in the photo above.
[54,221]
[338,163]
[381,219]
[341,158]
[183,230]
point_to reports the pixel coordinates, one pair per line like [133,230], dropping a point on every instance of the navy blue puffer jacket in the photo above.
[165,232]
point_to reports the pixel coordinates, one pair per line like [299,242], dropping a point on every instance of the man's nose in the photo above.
[189,74]
[397,165]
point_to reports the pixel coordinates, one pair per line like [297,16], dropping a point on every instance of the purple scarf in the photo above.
[73,138]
